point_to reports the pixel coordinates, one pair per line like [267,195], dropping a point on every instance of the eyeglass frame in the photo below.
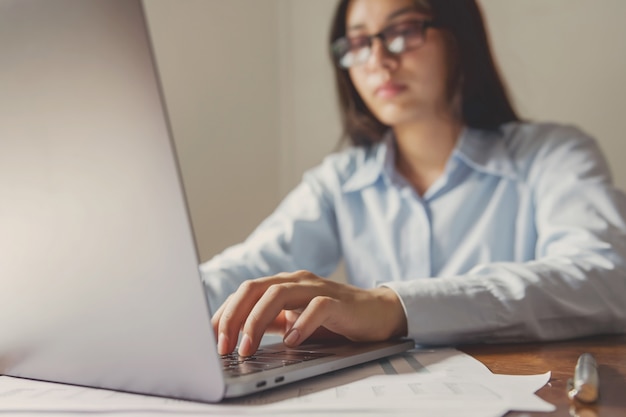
[424,25]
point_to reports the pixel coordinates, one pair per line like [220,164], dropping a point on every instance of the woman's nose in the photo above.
[380,57]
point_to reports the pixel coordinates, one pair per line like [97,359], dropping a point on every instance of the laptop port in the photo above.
[260,384]
[279,379]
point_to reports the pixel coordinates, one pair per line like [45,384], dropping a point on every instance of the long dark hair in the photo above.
[484,100]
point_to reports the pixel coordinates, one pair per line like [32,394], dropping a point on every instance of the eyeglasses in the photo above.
[356,50]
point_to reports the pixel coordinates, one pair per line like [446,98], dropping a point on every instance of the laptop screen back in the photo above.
[98,268]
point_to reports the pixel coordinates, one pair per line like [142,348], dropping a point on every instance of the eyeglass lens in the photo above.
[356,50]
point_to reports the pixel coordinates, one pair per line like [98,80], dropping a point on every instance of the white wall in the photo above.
[218,63]
[310,121]
[251,96]
[565,61]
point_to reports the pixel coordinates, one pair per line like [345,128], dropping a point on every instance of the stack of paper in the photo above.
[421,382]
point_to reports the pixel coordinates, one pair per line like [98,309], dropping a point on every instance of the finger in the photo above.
[280,324]
[216,316]
[223,342]
[290,318]
[276,299]
[239,306]
[234,313]
[319,312]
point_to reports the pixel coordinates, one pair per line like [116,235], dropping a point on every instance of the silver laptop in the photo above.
[98,268]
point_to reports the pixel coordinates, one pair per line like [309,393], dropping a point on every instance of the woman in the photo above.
[457,222]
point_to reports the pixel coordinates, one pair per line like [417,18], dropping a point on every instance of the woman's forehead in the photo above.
[366,13]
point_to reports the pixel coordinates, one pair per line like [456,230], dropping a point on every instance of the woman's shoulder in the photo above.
[343,165]
[533,146]
[524,139]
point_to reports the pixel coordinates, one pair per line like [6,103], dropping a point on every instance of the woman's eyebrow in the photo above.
[402,11]
[391,16]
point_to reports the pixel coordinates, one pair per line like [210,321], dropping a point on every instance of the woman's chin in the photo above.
[397,117]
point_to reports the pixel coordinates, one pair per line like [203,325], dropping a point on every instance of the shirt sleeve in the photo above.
[301,234]
[576,285]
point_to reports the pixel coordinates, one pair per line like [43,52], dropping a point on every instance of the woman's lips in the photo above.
[389,90]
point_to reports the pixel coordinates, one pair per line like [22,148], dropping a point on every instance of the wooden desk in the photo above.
[560,358]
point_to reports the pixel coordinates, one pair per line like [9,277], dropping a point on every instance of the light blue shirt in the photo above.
[523,237]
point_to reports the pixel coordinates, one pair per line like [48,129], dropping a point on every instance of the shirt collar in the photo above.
[483,151]
[379,159]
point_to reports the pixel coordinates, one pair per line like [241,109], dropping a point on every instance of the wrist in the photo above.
[394,314]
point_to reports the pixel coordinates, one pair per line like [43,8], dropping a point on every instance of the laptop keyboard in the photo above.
[262,360]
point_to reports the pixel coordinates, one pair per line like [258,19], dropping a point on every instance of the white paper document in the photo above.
[433,382]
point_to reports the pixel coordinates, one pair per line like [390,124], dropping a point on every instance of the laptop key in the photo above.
[249,367]
[235,365]
[301,355]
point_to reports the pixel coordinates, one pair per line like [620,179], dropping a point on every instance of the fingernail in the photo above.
[222,344]
[245,345]
[292,336]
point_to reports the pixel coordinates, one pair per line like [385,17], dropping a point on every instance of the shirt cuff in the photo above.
[444,311]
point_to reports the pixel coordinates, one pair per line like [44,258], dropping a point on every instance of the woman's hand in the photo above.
[300,305]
